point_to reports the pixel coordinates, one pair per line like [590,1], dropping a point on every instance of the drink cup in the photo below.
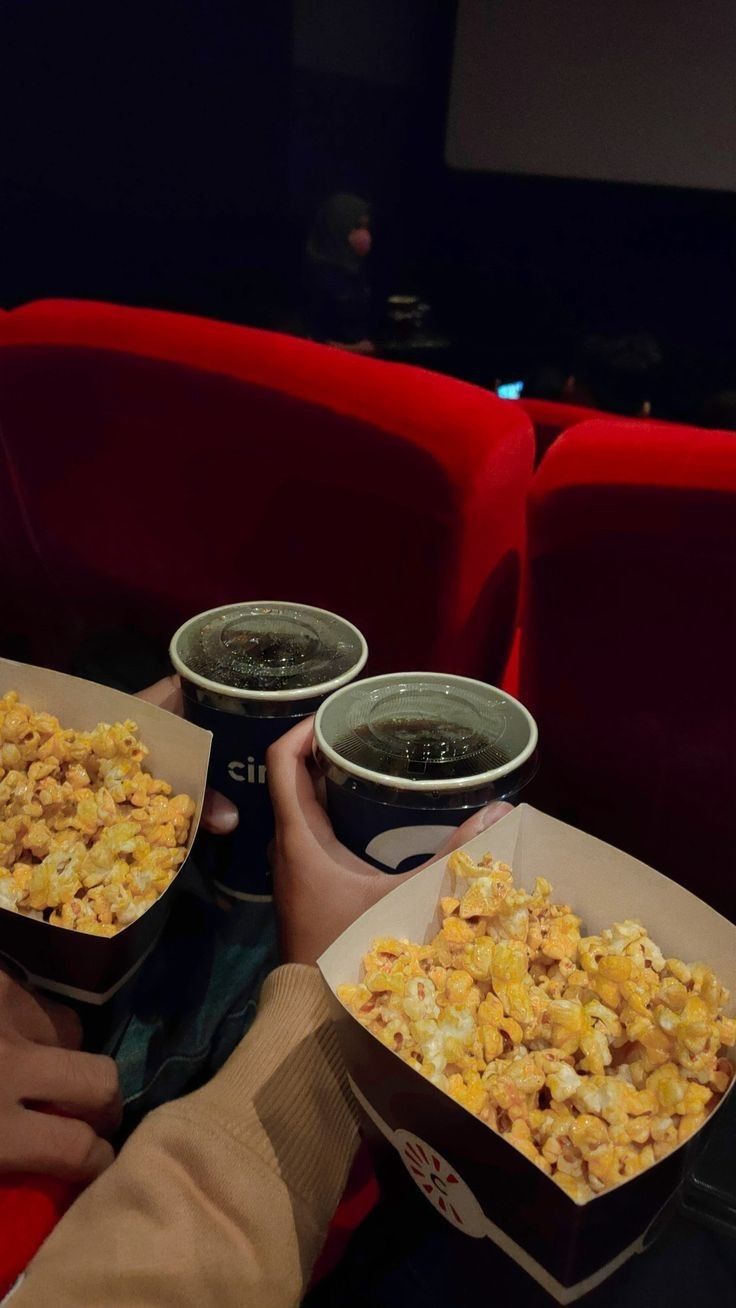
[409,756]
[249,672]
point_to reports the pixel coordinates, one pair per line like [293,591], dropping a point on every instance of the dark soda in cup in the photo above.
[249,672]
[409,756]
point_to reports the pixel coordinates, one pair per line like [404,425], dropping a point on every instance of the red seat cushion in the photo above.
[30,1207]
[552,417]
[629,643]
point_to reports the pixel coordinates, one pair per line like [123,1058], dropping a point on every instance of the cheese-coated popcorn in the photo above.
[592,1054]
[88,838]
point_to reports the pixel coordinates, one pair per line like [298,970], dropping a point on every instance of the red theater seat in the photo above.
[165,464]
[629,643]
[551,417]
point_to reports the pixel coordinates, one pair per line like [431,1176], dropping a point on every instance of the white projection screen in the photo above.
[615,90]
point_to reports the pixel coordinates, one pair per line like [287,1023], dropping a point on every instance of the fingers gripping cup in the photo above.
[410,756]
[248,673]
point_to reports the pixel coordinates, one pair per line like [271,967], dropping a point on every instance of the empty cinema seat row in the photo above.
[156,465]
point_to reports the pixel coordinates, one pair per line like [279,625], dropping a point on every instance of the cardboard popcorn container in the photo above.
[478,1182]
[70,963]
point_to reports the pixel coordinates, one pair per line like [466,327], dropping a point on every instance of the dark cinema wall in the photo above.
[172,153]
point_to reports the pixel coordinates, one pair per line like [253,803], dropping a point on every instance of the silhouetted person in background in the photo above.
[337,295]
[615,373]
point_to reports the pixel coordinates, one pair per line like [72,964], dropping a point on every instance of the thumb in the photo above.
[472,827]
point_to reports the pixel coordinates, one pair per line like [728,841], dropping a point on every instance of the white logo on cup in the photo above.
[441,1185]
[255,773]
[392,847]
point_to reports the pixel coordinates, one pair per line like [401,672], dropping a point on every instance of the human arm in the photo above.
[224,1197]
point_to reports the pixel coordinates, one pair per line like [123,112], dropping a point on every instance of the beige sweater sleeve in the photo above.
[222,1198]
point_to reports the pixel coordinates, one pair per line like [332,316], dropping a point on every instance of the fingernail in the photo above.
[492,813]
[219,813]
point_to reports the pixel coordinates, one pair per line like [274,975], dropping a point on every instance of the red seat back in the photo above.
[551,417]
[629,643]
[166,464]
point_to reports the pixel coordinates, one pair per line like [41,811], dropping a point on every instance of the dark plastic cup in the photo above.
[249,672]
[408,757]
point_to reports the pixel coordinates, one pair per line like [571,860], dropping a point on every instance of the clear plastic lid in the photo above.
[268,649]
[425,730]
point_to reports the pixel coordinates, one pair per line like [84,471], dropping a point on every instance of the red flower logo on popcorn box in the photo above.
[560,1124]
[444,1189]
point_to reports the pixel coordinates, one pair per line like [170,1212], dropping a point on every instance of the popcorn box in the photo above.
[478,1181]
[70,963]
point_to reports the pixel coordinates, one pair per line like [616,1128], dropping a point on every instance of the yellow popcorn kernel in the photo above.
[87,816]
[394,1034]
[39,887]
[666,1083]
[45,723]
[459,984]
[672,993]
[449,904]
[590,949]
[38,839]
[596,1051]
[376,981]
[457,932]
[28,745]
[694,1025]
[420,999]
[577,1189]
[512,1029]
[530,1151]
[43,768]
[567,1020]
[615,967]
[688,1125]
[10,755]
[563,937]
[509,963]
[492,1042]
[603,1163]
[163,836]
[587,1133]
[563,1082]
[721,1078]
[22,873]
[471,1093]
[102,741]
[490,1010]
[607,991]
[679,970]
[478,960]
[460,864]
[90,927]
[355,995]
[663,1130]
[15,724]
